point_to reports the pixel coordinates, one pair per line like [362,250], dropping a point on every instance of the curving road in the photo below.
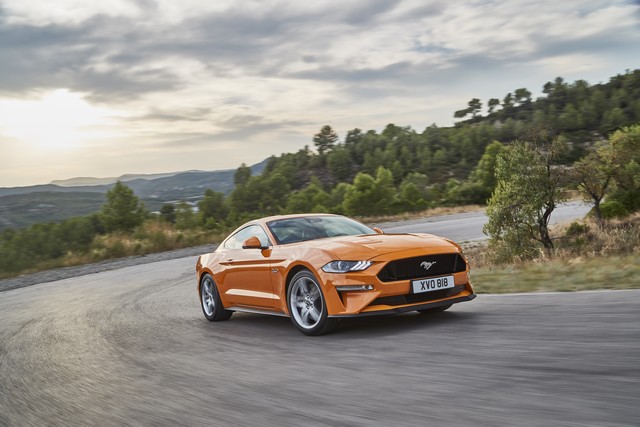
[130,346]
[468,226]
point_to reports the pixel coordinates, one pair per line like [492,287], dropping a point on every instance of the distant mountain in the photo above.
[91,181]
[23,206]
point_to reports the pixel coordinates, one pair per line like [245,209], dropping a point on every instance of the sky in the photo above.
[102,89]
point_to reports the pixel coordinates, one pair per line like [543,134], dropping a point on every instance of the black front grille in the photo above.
[416,298]
[416,268]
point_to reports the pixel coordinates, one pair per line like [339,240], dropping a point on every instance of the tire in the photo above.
[210,300]
[307,305]
[435,310]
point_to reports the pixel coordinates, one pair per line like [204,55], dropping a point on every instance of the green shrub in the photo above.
[613,209]
[576,229]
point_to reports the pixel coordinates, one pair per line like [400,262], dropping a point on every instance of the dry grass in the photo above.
[579,274]
[152,237]
[586,258]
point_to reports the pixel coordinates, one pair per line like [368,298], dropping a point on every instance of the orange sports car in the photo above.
[318,268]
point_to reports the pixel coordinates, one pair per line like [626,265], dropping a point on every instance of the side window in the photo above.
[235,241]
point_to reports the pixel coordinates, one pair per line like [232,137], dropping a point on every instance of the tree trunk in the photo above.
[543,228]
[597,212]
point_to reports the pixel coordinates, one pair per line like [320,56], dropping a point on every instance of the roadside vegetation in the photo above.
[586,256]
[520,159]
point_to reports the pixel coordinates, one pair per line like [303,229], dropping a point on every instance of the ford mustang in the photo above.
[318,268]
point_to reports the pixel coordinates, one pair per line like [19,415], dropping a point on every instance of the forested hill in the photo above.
[408,170]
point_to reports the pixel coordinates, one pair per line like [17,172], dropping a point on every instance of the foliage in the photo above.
[123,210]
[185,217]
[311,199]
[625,144]
[24,248]
[368,195]
[396,170]
[528,190]
[242,175]
[576,228]
[613,209]
[212,208]
[594,173]
[325,139]
[168,213]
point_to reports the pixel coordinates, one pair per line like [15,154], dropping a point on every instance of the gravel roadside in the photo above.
[82,270]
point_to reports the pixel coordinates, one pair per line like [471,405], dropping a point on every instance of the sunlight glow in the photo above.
[59,120]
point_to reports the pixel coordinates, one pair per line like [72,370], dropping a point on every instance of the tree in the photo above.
[325,139]
[528,189]
[123,210]
[340,164]
[625,144]
[242,175]
[507,102]
[185,217]
[594,173]
[312,199]
[522,96]
[475,106]
[354,136]
[212,207]
[484,173]
[493,103]
[370,196]
[168,212]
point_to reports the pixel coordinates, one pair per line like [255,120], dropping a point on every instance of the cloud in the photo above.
[268,74]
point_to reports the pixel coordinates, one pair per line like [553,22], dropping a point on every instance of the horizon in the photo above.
[145,88]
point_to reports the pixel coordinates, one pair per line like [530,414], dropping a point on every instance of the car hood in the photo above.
[371,246]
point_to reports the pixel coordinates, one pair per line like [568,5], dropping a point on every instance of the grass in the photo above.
[579,274]
[585,258]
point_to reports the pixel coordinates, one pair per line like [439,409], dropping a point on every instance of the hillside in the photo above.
[21,210]
[23,206]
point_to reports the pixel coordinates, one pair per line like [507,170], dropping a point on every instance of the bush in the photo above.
[613,209]
[576,229]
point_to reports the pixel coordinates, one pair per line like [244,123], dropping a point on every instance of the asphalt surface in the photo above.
[131,346]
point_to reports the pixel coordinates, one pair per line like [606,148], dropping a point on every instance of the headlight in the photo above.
[345,266]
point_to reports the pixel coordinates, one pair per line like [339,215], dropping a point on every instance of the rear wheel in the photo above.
[307,305]
[435,309]
[210,300]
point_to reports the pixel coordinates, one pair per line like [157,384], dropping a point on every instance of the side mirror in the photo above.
[252,243]
[378,230]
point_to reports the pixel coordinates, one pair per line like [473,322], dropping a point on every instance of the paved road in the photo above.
[468,226]
[130,346]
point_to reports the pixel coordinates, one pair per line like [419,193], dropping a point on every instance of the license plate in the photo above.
[432,284]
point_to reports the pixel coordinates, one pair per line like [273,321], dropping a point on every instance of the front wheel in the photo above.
[210,300]
[307,305]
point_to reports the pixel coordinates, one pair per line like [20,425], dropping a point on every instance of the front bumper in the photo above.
[408,308]
[387,297]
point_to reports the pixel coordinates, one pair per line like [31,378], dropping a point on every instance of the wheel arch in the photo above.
[292,272]
[201,275]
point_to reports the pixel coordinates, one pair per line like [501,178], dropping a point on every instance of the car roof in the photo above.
[277,217]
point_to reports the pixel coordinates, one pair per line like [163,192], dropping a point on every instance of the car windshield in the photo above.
[292,230]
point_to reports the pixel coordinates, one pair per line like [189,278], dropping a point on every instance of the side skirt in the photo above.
[256,311]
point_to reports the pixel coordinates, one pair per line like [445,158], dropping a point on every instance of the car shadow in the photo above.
[248,324]
[395,324]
